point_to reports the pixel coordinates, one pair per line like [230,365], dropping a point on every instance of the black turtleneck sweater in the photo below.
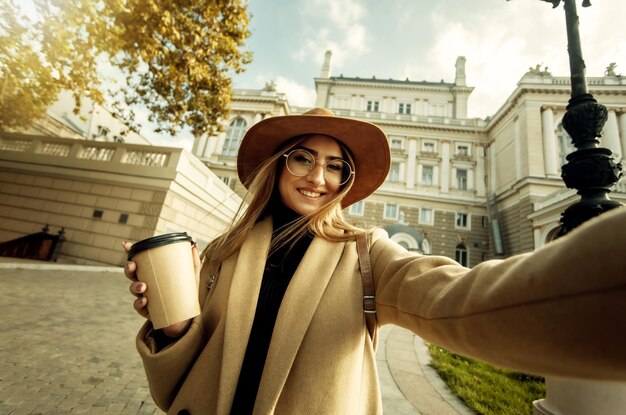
[279,268]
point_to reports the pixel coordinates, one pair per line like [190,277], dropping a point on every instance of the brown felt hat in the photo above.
[366,141]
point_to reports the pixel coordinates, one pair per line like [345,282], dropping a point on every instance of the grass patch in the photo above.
[486,389]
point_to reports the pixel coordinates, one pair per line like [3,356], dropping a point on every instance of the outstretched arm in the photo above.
[560,310]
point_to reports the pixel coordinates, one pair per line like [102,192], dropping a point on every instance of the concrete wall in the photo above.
[104,193]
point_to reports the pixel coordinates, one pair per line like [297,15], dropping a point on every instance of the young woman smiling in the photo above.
[283,329]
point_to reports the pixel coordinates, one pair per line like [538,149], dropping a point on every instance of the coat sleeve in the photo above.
[559,311]
[166,369]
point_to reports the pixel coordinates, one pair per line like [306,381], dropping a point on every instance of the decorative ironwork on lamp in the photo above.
[590,169]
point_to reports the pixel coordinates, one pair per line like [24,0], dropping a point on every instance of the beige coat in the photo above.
[559,311]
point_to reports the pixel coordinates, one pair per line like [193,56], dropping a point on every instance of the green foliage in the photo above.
[176,56]
[486,389]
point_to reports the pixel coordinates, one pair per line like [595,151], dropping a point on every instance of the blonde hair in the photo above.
[327,222]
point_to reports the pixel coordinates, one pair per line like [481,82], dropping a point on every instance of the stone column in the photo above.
[412,157]
[537,238]
[610,136]
[518,150]
[445,166]
[198,145]
[480,170]
[492,168]
[621,121]
[550,154]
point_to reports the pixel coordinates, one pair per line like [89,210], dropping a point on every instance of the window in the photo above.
[428,147]
[461,179]
[357,208]
[372,106]
[426,216]
[462,150]
[462,221]
[397,143]
[123,218]
[460,254]
[229,181]
[234,134]
[404,108]
[438,110]
[342,102]
[394,172]
[427,175]
[391,211]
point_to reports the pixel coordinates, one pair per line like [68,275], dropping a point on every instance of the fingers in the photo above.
[141,303]
[130,270]
[138,288]
[126,245]
[141,306]
[197,264]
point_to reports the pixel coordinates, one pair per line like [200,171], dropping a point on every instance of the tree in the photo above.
[175,57]
[27,87]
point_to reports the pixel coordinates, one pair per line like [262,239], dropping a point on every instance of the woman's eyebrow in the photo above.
[316,153]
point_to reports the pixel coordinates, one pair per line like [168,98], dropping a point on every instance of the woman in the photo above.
[282,328]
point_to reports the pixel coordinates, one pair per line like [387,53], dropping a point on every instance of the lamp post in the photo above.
[591,170]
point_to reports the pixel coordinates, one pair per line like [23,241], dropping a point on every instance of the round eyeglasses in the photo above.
[301,163]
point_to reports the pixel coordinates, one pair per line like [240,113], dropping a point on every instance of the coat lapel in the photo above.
[243,297]
[296,311]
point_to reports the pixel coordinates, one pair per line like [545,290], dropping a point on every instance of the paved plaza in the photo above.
[67,347]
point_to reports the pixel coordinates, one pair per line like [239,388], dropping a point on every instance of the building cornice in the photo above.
[530,84]
[472,125]
[423,86]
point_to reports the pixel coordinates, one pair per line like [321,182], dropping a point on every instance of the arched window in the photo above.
[460,254]
[234,134]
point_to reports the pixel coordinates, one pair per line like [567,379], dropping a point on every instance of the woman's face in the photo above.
[307,193]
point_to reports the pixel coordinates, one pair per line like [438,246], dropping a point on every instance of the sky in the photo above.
[420,40]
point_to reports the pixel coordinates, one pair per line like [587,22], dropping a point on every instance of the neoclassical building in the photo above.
[466,188]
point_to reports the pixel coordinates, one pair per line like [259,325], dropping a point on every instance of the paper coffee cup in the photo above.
[165,264]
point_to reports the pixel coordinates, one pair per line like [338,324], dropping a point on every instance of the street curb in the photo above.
[424,359]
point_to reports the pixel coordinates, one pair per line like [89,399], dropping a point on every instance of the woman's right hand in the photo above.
[138,288]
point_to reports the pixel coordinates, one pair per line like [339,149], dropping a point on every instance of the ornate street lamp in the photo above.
[590,169]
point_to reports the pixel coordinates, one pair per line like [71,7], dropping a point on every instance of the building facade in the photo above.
[469,189]
[100,193]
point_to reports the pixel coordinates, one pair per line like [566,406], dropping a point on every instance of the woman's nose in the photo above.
[316,175]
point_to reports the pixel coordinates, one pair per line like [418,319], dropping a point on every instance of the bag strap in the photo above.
[369,299]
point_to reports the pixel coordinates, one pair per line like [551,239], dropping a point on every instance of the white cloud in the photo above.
[332,25]
[343,13]
[502,42]
[297,94]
